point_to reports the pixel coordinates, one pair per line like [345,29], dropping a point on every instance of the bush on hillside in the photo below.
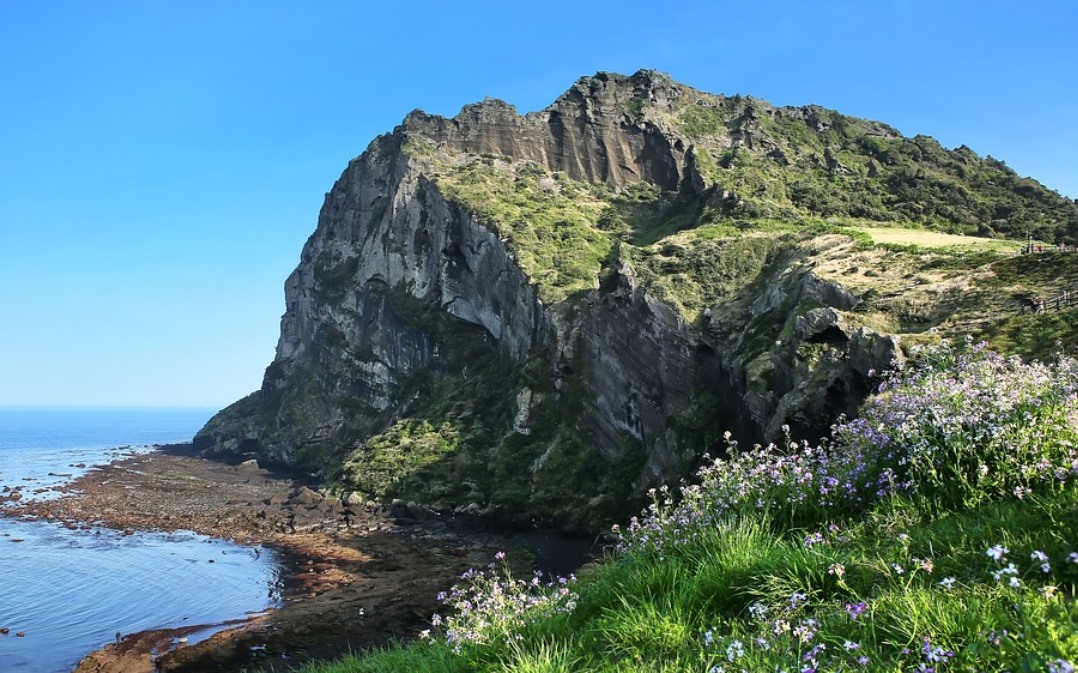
[952,428]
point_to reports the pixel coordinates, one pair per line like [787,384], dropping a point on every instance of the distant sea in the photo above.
[70,592]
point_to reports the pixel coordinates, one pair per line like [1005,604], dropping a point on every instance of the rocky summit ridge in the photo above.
[545,313]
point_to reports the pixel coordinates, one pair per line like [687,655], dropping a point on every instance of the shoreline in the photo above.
[354,577]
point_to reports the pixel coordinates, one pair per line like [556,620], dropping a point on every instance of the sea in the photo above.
[70,592]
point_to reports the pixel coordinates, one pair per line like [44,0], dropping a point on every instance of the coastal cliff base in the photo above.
[355,578]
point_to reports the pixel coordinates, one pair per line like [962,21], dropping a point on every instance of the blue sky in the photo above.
[162,163]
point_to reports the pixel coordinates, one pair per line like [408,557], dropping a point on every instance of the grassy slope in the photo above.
[651,613]
[954,571]
[694,252]
[812,162]
[565,233]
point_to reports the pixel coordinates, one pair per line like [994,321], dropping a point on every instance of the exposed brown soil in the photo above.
[358,579]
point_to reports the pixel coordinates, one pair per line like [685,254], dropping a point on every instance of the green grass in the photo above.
[747,569]
[1037,336]
[936,239]
[652,612]
[550,222]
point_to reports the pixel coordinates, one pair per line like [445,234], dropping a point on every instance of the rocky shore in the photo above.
[357,576]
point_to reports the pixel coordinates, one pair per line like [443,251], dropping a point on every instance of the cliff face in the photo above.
[550,311]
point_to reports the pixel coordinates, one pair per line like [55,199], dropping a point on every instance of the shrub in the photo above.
[491,604]
[959,427]
[953,428]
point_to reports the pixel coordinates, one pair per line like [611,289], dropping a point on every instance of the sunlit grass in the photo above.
[926,238]
[708,580]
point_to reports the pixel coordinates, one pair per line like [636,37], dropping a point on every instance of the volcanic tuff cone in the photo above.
[550,311]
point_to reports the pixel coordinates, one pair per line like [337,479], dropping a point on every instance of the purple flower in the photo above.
[855,610]
[997,552]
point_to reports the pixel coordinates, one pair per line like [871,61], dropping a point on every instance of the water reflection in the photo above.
[71,592]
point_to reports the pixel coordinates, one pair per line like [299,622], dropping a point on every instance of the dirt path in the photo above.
[358,579]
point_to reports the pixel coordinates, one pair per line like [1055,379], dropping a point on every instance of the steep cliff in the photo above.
[549,311]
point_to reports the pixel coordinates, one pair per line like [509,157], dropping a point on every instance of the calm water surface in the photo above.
[72,591]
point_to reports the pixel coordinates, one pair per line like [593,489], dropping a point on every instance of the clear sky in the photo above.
[162,163]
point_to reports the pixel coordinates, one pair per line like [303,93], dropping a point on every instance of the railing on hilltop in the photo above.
[1031,249]
[1059,302]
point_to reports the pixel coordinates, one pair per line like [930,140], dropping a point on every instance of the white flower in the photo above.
[735,651]
[997,552]
[948,582]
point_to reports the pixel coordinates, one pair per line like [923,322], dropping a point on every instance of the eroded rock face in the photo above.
[641,369]
[586,133]
[398,286]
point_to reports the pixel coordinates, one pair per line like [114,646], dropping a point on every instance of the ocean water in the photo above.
[70,592]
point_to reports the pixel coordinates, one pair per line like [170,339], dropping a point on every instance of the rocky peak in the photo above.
[593,132]
[548,310]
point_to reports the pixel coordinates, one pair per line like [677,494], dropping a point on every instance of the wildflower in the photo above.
[855,610]
[1060,666]
[837,569]
[806,630]
[934,654]
[709,637]
[1041,558]
[500,556]
[1015,582]
[948,582]
[1073,557]
[1010,570]
[797,598]
[850,646]
[897,568]
[424,634]
[734,651]
[814,654]
[997,552]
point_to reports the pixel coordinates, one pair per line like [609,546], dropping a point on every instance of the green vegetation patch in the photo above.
[550,222]
[764,161]
[703,267]
[792,557]
[935,239]
[387,460]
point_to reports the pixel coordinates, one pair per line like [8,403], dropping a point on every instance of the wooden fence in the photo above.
[1056,303]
